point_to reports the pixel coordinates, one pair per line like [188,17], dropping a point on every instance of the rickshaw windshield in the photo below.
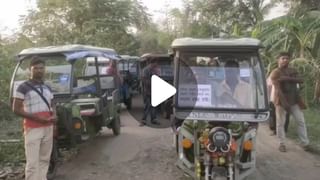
[57,76]
[220,81]
[123,65]
[166,68]
[90,68]
[133,68]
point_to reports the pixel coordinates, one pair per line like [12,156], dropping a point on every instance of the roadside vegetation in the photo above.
[313,127]
[127,27]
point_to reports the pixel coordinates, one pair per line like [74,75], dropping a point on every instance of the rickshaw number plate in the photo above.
[215,116]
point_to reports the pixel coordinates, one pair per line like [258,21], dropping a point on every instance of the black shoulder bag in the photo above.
[40,94]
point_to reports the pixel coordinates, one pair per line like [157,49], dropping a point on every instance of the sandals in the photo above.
[282,148]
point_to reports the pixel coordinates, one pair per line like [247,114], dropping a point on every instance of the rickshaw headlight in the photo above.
[186,143]
[77,125]
[220,139]
[248,145]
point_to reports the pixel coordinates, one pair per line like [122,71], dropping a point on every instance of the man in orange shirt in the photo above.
[32,101]
[113,70]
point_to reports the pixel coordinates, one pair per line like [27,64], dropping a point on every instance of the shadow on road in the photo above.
[137,113]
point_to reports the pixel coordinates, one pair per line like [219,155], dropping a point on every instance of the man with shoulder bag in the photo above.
[32,100]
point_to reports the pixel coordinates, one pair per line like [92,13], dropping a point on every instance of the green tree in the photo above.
[298,34]
[152,40]
[97,22]
[8,49]
[202,18]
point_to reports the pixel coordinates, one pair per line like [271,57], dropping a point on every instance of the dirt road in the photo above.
[144,153]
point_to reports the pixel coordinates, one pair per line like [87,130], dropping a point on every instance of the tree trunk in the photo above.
[301,55]
[316,95]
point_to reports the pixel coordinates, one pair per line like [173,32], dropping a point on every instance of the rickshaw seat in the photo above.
[108,87]
[107,82]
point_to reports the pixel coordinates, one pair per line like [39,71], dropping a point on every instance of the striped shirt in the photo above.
[32,102]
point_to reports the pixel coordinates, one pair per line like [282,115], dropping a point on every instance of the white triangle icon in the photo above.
[160,90]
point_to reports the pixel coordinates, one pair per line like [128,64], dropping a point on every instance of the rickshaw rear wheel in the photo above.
[128,103]
[115,125]
[272,120]
[53,166]
[177,143]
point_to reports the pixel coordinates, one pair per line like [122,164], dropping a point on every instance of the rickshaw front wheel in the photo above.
[128,103]
[115,125]
[53,166]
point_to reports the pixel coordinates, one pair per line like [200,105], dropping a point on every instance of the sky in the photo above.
[10,11]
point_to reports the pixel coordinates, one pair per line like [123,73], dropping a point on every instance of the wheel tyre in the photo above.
[53,166]
[162,110]
[168,110]
[129,103]
[116,126]
[177,144]
[272,120]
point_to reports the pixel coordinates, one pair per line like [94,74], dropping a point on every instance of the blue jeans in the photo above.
[124,91]
[148,109]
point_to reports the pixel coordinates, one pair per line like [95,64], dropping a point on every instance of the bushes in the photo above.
[11,152]
[313,127]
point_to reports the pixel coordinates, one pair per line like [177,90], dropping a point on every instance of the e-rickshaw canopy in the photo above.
[216,42]
[72,52]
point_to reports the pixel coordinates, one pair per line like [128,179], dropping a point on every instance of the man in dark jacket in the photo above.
[286,99]
[151,69]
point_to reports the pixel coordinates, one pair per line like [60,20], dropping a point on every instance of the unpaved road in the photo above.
[144,153]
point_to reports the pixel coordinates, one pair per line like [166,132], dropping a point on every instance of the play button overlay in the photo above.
[160,90]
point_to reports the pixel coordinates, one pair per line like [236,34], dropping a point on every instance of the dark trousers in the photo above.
[148,109]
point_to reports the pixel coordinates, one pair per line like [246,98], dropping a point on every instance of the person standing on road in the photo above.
[286,99]
[32,101]
[148,71]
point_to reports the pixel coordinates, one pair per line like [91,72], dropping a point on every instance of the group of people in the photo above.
[32,100]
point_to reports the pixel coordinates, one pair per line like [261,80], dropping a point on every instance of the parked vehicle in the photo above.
[129,69]
[85,99]
[221,97]
[165,63]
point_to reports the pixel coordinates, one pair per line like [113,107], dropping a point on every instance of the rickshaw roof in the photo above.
[64,49]
[128,57]
[100,59]
[144,57]
[72,51]
[216,42]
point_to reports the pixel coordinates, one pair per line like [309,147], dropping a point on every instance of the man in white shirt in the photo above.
[233,91]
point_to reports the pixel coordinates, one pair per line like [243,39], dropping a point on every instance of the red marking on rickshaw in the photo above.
[233,145]
[87,112]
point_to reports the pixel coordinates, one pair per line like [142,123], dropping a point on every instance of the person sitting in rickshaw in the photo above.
[232,89]
[91,88]
[213,62]
[113,71]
